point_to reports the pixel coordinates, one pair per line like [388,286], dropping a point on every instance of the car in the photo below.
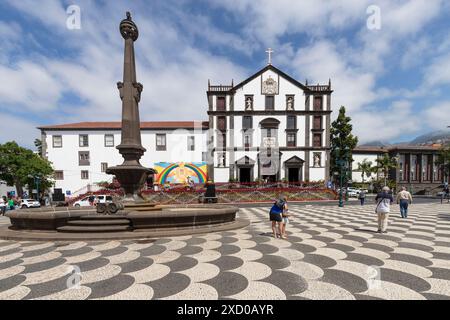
[29,203]
[97,199]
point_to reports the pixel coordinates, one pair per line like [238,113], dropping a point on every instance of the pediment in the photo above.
[245,161]
[294,160]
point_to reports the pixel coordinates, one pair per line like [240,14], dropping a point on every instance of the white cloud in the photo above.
[31,86]
[321,61]
[398,120]
[438,72]
[18,129]
[438,116]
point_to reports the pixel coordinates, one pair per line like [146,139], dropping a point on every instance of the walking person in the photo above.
[384,201]
[404,198]
[445,193]
[276,216]
[11,204]
[2,206]
[362,197]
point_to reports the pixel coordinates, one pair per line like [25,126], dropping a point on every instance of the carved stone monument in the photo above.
[130,174]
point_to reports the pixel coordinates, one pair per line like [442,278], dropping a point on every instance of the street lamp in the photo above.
[37,181]
[341,161]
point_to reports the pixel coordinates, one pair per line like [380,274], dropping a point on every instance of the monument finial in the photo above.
[129,15]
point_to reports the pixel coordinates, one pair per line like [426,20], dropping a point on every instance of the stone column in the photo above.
[307,135]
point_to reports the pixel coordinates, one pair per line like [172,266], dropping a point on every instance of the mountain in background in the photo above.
[439,137]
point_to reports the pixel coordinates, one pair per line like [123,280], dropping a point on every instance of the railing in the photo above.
[230,192]
[220,88]
[319,88]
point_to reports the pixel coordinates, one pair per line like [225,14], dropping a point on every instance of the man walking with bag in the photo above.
[384,201]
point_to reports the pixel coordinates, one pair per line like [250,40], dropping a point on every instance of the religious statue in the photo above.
[290,103]
[317,160]
[249,103]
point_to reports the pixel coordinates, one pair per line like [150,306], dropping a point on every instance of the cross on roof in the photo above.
[270,51]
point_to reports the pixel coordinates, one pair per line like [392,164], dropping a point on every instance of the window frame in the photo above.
[102,166]
[224,99]
[245,125]
[58,172]
[161,147]
[79,140]
[294,118]
[113,142]
[87,174]
[191,147]
[289,143]
[84,162]
[53,141]
[266,106]
[314,140]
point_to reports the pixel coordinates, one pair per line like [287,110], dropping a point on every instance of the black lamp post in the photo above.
[341,161]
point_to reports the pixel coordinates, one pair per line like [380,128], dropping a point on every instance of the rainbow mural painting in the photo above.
[178,172]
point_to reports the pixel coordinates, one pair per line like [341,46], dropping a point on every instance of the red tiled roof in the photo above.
[117,125]
[402,147]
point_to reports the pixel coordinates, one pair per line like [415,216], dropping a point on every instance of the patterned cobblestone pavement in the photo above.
[331,253]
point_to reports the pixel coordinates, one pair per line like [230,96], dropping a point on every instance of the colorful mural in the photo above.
[179,172]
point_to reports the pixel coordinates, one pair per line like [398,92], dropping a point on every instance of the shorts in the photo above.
[286,220]
[275,217]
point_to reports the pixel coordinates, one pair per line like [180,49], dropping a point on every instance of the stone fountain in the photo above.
[133,217]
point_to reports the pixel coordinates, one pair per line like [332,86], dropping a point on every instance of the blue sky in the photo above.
[394,81]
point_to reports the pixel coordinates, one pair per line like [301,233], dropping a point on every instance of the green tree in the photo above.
[342,141]
[385,164]
[22,167]
[443,160]
[366,169]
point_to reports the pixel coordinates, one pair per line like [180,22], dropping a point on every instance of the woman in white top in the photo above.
[384,201]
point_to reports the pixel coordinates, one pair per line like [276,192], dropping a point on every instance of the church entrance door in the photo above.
[293,174]
[245,175]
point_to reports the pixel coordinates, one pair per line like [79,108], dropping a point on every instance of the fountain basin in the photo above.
[134,222]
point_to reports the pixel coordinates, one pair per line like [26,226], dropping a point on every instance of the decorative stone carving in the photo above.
[270,86]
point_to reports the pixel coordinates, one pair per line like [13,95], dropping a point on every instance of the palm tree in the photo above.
[385,164]
[366,169]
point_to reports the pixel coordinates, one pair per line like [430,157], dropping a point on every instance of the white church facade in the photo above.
[269,127]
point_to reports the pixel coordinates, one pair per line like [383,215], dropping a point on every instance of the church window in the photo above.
[291,122]
[317,123]
[221,123]
[247,122]
[317,140]
[221,104]
[291,139]
[270,102]
[318,103]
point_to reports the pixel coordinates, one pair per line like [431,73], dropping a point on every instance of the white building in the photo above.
[269,126]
